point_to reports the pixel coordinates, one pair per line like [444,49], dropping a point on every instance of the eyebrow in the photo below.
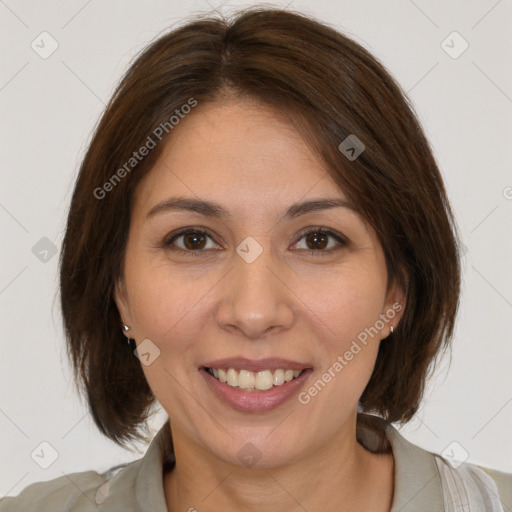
[214,210]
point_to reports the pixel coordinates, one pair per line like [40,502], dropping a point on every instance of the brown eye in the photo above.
[320,241]
[194,240]
[317,240]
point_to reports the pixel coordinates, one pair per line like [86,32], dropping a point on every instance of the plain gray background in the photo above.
[48,107]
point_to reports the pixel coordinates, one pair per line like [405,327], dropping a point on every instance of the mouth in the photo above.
[255,386]
[248,380]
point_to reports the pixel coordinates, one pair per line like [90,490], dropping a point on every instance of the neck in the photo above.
[341,476]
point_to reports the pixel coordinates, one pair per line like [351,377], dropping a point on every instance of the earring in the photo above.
[390,329]
[128,340]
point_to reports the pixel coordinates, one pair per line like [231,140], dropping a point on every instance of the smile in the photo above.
[254,381]
[255,386]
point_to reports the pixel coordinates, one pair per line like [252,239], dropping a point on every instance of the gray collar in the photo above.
[417,480]
[149,486]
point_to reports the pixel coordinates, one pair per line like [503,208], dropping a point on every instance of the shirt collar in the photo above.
[149,485]
[417,484]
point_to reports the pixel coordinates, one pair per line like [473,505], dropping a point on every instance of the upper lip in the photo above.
[242,363]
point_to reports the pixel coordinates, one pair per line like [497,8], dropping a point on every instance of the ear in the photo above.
[121,300]
[394,307]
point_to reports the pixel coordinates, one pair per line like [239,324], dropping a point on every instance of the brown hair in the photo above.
[331,88]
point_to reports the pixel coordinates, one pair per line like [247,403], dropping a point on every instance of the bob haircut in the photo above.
[328,87]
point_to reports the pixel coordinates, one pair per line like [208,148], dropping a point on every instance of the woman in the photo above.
[261,216]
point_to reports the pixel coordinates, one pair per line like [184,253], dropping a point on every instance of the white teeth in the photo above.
[278,377]
[264,380]
[248,380]
[232,378]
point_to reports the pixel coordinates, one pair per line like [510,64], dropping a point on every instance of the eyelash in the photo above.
[168,241]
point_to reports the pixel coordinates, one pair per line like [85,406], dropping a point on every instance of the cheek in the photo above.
[344,303]
[168,308]
[167,303]
[345,309]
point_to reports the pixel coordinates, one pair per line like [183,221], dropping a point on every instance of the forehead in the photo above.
[240,150]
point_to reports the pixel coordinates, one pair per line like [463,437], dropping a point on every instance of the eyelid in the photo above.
[342,240]
[323,229]
[169,239]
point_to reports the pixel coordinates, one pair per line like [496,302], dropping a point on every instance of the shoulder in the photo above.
[481,483]
[75,492]
[427,481]
[503,482]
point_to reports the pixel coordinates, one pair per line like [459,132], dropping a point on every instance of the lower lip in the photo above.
[255,401]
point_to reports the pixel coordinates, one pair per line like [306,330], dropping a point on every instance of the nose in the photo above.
[256,300]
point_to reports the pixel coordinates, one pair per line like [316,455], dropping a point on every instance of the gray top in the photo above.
[138,486]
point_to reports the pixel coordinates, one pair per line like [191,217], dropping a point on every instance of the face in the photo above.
[236,277]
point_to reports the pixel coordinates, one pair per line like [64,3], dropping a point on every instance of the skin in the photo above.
[288,303]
